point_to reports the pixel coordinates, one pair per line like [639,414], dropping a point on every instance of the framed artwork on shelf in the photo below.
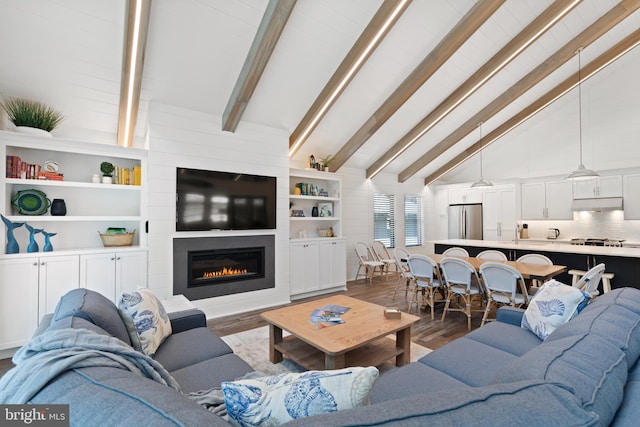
[326,209]
[297,212]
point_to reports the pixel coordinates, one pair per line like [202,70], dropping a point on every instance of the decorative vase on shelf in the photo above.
[314,211]
[12,243]
[47,242]
[58,207]
[33,245]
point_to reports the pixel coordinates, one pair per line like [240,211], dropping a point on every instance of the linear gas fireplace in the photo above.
[225,265]
[215,266]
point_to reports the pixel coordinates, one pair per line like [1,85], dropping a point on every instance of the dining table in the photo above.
[529,271]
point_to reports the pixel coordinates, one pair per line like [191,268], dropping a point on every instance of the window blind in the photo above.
[383,219]
[412,220]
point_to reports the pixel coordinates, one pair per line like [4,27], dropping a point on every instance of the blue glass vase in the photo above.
[12,243]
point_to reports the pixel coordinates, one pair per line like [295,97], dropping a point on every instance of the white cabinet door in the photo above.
[603,186]
[464,195]
[57,276]
[534,200]
[304,267]
[98,273]
[131,272]
[631,196]
[610,186]
[499,213]
[18,301]
[333,264]
[558,200]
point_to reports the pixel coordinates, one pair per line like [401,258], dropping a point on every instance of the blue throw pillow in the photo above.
[146,320]
[270,401]
[553,305]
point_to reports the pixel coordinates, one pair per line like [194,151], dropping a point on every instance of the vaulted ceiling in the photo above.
[410,107]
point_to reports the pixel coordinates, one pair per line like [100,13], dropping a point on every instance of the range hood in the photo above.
[600,204]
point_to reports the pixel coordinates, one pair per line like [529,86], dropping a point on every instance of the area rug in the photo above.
[253,347]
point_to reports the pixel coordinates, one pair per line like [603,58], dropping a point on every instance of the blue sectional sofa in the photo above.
[585,373]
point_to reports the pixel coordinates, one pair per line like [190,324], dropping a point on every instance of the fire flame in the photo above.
[224,272]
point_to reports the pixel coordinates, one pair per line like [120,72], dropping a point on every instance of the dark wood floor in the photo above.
[426,332]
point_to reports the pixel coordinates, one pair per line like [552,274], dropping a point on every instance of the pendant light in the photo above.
[581,172]
[481,182]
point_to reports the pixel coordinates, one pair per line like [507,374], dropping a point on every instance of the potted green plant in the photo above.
[325,162]
[107,172]
[28,115]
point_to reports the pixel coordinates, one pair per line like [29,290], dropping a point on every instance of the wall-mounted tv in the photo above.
[211,200]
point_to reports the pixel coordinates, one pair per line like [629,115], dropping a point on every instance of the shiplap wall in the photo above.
[184,138]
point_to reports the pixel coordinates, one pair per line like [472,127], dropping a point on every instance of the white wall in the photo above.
[185,138]
[357,200]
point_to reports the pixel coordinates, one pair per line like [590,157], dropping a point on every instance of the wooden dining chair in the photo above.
[382,254]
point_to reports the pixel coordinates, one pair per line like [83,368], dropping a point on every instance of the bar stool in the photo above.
[606,279]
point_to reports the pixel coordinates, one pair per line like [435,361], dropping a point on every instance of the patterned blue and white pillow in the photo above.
[270,401]
[146,320]
[552,306]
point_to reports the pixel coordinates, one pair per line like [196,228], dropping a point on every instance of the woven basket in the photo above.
[120,239]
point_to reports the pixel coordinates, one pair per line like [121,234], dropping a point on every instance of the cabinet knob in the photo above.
[42,263]
[35,264]
[118,258]
[113,258]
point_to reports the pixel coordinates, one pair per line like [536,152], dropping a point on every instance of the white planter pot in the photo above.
[107,180]
[32,131]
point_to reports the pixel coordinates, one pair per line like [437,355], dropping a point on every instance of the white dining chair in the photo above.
[492,254]
[461,282]
[535,259]
[456,251]
[382,254]
[401,256]
[367,262]
[427,281]
[591,279]
[505,286]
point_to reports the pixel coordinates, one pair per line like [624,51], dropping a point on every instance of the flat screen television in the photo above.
[211,200]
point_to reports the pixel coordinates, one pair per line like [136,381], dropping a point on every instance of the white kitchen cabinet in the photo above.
[111,273]
[631,184]
[602,186]
[499,213]
[550,200]
[465,195]
[18,301]
[333,263]
[304,267]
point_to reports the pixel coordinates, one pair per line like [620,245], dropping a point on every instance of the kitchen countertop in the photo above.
[545,245]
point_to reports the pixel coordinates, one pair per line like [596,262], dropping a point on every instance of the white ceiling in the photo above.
[68,53]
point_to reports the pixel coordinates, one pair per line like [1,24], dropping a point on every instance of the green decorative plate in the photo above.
[30,202]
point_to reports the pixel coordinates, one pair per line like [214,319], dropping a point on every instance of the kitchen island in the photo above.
[623,262]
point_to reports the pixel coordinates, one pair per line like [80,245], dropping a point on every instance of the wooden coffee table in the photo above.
[359,341]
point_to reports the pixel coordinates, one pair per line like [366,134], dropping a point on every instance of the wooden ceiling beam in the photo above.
[463,30]
[381,23]
[609,20]
[273,22]
[540,25]
[541,103]
[135,42]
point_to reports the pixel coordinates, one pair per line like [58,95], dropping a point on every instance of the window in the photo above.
[384,228]
[412,220]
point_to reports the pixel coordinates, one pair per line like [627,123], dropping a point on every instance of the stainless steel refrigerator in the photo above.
[465,221]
